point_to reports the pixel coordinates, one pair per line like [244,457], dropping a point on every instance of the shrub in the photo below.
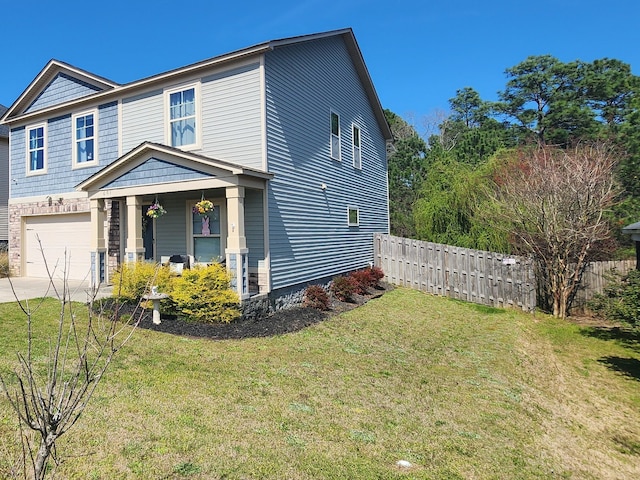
[202,294]
[132,280]
[366,278]
[343,288]
[620,300]
[316,297]
[4,264]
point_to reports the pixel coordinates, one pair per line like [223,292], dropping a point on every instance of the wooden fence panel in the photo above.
[466,274]
[594,279]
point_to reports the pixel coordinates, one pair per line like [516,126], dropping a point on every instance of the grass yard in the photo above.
[459,390]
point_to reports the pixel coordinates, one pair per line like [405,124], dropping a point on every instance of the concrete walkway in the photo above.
[29,287]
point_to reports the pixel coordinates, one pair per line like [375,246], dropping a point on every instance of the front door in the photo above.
[147,235]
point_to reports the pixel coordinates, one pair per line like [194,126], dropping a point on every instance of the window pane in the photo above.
[356,136]
[37,160]
[335,124]
[206,249]
[214,222]
[353,216]
[183,132]
[85,151]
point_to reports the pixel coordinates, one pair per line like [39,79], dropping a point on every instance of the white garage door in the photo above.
[59,233]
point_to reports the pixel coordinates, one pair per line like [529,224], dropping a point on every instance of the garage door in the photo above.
[58,233]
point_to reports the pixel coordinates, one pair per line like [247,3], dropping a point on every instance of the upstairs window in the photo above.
[85,135]
[335,136]
[182,117]
[36,149]
[357,154]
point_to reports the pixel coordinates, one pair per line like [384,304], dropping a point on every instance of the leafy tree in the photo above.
[452,207]
[407,167]
[554,202]
[545,99]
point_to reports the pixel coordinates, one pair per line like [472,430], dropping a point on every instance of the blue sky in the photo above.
[418,52]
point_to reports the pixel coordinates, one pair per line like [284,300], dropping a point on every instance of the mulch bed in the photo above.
[279,323]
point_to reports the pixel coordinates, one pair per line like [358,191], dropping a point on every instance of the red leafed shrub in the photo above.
[343,288]
[376,273]
[366,278]
[362,281]
[316,297]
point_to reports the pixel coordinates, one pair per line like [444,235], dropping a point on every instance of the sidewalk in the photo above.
[29,287]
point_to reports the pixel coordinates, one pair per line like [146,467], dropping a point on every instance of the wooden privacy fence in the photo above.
[486,278]
[594,279]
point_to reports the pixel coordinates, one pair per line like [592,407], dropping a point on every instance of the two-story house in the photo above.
[287,139]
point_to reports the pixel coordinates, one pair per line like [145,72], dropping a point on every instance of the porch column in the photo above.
[98,244]
[237,253]
[134,250]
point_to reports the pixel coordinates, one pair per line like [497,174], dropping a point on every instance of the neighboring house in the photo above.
[4,182]
[287,139]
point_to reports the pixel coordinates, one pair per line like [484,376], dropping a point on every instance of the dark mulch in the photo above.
[279,323]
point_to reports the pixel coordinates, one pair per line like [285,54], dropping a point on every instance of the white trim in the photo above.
[351,208]
[356,150]
[197,114]
[263,112]
[74,140]
[43,170]
[333,136]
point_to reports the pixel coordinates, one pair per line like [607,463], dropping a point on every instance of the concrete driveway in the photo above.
[29,287]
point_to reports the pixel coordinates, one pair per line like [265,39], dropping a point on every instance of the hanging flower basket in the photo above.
[203,207]
[156,210]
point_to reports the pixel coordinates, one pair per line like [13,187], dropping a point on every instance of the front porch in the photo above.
[233,231]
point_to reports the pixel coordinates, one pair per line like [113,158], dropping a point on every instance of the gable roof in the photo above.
[51,70]
[149,150]
[110,89]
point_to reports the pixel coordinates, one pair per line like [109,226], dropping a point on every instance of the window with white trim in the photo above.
[207,243]
[335,136]
[182,117]
[85,134]
[36,149]
[357,152]
[353,216]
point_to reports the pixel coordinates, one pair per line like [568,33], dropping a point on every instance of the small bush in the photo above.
[343,288]
[4,264]
[132,280]
[316,297]
[366,278]
[202,294]
[620,300]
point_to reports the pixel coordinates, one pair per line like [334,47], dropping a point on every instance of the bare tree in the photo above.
[554,201]
[50,396]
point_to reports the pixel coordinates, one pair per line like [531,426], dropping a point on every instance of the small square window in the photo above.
[353,216]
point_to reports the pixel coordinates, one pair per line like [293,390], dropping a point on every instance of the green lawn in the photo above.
[460,391]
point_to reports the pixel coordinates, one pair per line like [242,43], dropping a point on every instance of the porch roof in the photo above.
[633,230]
[152,168]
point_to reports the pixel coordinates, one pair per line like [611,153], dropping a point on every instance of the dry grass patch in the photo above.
[460,391]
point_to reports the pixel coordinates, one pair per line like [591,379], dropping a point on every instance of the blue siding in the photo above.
[61,89]
[156,171]
[309,236]
[254,225]
[60,176]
